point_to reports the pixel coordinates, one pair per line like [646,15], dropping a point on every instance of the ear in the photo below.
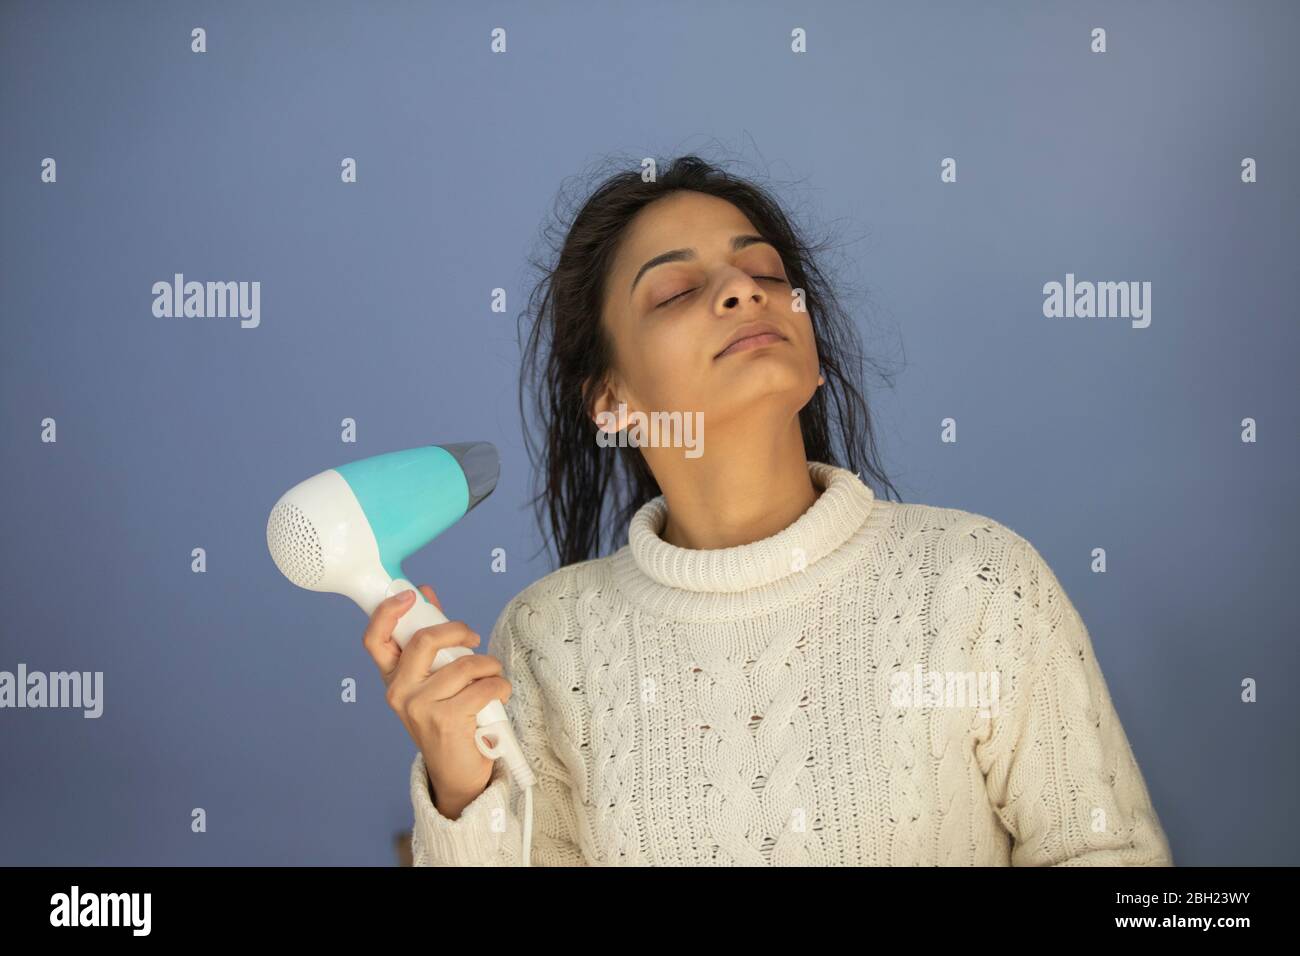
[603,406]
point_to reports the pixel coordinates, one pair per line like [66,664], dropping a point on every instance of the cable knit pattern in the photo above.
[877,684]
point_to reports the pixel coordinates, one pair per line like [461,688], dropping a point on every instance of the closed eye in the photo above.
[689,291]
[674,298]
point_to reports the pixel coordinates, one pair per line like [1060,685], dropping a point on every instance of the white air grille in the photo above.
[295,545]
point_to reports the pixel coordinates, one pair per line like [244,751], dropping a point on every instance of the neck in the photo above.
[729,583]
[741,491]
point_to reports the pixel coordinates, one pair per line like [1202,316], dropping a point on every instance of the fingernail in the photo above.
[404,597]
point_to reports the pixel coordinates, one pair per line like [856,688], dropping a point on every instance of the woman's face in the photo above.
[690,274]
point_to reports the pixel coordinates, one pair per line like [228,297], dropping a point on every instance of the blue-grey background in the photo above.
[222,688]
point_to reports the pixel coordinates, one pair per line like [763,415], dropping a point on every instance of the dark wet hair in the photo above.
[568,349]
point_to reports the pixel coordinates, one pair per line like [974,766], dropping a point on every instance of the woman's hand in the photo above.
[439,709]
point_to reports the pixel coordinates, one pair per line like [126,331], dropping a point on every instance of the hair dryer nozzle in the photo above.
[480,463]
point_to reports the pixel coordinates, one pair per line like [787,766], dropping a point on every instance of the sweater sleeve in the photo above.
[489,831]
[1064,780]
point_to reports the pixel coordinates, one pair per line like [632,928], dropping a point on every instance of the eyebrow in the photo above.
[682,255]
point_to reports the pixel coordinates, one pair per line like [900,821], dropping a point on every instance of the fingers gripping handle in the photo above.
[423,613]
[494,736]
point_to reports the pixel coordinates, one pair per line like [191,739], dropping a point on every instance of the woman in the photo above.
[778,667]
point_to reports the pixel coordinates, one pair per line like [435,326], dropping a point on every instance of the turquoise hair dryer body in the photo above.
[348,530]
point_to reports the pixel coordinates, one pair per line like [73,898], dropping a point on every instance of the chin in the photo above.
[776,388]
[768,373]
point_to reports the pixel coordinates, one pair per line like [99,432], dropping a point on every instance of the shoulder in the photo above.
[953,540]
[541,613]
[976,562]
[982,572]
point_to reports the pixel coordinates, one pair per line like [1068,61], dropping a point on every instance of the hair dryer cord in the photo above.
[528,825]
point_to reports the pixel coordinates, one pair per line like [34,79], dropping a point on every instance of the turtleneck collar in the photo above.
[723,582]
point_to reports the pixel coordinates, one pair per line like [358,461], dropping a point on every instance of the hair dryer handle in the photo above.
[423,613]
[494,736]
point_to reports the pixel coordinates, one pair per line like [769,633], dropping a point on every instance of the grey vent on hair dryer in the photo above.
[295,545]
[482,467]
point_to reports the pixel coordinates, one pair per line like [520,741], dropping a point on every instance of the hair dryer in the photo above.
[348,530]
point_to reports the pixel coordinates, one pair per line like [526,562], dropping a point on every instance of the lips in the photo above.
[754,335]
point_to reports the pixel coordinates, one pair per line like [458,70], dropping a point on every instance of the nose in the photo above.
[743,287]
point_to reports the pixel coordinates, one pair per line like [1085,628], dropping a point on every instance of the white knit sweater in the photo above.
[877,684]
